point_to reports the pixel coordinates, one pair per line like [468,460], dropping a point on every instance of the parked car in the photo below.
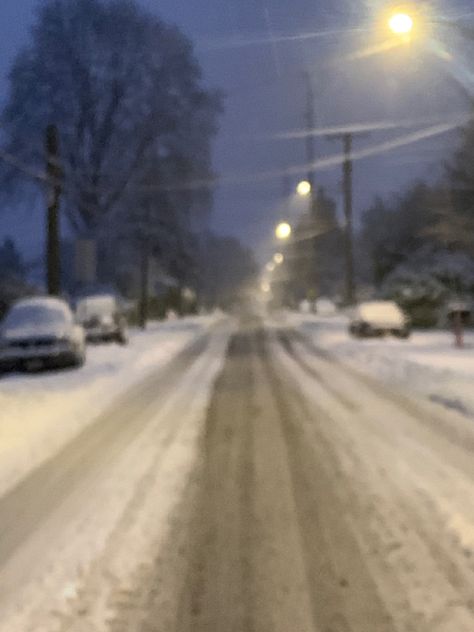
[38,332]
[103,319]
[378,318]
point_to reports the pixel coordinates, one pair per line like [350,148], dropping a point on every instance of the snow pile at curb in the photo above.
[40,413]
[106,537]
[427,364]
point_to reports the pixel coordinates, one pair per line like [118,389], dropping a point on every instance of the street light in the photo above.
[401,23]
[283,231]
[278,258]
[304,188]
[270,267]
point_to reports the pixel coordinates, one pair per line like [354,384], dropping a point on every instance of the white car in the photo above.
[103,319]
[38,332]
[378,318]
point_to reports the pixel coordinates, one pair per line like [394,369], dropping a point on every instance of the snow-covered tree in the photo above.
[393,230]
[425,281]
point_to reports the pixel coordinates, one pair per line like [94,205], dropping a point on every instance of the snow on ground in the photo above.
[41,412]
[104,537]
[427,364]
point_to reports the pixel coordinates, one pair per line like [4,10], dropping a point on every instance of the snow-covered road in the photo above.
[252,483]
[325,502]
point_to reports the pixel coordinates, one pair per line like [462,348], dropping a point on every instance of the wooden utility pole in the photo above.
[144,285]
[348,140]
[310,159]
[144,302]
[310,124]
[348,214]
[53,246]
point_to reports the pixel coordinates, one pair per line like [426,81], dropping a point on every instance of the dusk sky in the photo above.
[265,88]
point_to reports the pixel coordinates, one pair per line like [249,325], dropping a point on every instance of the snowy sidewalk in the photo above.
[41,412]
[427,364]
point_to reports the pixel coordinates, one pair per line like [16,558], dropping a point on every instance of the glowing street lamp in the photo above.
[304,188]
[270,267]
[265,287]
[283,231]
[278,258]
[401,24]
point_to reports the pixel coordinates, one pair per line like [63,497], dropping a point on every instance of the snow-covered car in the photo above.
[38,332]
[378,318]
[102,318]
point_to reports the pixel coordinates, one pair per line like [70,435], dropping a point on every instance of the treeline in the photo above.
[136,122]
[418,247]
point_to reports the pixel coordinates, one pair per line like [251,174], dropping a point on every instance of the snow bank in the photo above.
[427,364]
[112,528]
[40,413]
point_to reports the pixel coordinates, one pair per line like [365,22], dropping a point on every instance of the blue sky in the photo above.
[265,96]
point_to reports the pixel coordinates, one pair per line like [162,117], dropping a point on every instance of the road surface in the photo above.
[310,498]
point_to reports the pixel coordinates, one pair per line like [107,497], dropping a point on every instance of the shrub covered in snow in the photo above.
[423,284]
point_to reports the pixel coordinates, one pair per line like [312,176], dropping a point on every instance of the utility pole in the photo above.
[145,270]
[286,193]
[310,159]
[53,247]
[144,285]
[310,125]
[349,228]
[348,141]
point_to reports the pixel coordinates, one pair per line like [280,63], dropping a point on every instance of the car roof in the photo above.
[380,310]
[377,303]
[43,301]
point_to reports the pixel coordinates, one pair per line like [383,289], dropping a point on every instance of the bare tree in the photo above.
[125,92]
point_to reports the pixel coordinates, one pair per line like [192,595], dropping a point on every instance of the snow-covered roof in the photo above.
[381,312]
[48,302]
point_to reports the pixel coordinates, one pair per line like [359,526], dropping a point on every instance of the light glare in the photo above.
[303,188]
[283,230]
[401,24]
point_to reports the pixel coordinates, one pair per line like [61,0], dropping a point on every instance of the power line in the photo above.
[320,164]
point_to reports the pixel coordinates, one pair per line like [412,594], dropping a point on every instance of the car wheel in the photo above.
[79,359]
[122,338]
[402,333]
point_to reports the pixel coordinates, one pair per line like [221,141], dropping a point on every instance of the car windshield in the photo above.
[34,315]
[100,306]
